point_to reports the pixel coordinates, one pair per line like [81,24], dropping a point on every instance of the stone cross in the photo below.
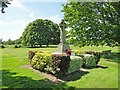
[62,26]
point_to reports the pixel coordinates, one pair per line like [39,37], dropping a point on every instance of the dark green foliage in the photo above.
[2,46]
[41,32]
[93,23]
[60,62]
[88,60]
[107,56]
[4,4]
[96,55]
[15,46]
[76,63]
[9,42]
[19,46]
[18,41]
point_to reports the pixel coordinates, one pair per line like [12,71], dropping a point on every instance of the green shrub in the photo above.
[88,60]
[97,57]
[41,61]
[31,54]
[95,53]
[59,64]
[107,56]
[76,63]
[19,46]
[15,46]
[2,46]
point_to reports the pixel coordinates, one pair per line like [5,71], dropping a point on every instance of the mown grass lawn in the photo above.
[13,76]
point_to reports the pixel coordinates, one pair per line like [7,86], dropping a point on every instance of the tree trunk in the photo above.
[47,45]
[40,45]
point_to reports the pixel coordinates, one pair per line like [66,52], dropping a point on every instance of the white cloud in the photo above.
[8,24]
[42,0]
[2,23]
[12,29]
[17,4]
[55,19]
[31,15]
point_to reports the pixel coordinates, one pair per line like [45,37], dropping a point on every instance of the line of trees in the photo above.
[12,42]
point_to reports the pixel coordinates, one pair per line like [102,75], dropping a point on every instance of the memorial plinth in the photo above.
[63,46]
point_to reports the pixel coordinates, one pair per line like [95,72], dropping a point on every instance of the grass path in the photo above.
[13,76]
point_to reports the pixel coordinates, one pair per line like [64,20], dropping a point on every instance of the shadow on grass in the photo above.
[11,81]
[74,76]
[114,57]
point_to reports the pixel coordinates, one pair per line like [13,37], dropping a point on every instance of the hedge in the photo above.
[60,64]
[41,61]
[95,53]
[31,55]
[76,63]
[88,60]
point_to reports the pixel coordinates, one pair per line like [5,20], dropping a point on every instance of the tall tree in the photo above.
[93,23]
[41,32]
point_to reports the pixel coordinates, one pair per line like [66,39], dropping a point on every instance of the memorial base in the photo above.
[62,48]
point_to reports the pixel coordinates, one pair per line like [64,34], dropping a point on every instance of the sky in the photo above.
[21,12]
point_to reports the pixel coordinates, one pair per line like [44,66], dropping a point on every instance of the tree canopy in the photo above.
[93,23]
[41,32]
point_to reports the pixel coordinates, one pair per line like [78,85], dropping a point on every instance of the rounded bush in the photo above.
[88,60]
[59,64]
[41,61]
[76,63]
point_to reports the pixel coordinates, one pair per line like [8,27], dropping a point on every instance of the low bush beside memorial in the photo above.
[76,63]
[40,61]
[61,64]
[96,54]
[88,60]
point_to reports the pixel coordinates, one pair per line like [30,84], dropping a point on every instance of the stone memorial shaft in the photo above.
[62,26]
[63,46]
